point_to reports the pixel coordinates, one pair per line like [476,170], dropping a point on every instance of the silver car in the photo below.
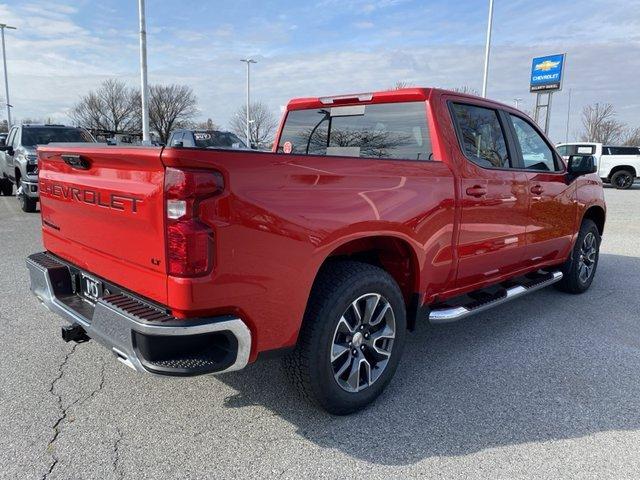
[19,161]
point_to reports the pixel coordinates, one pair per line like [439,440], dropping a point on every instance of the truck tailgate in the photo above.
[103,210]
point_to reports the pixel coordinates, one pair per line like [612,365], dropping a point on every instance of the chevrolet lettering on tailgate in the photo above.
[113,201]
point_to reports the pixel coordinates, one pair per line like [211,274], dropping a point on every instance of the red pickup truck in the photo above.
[373,212]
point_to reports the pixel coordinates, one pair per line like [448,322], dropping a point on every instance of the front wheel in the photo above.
[27,204]
[622,179]
[580,268]
[352,337]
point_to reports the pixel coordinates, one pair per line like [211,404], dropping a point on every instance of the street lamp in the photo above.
[566,135]
[6,79]
[248,61]
[146,137]
[487,49]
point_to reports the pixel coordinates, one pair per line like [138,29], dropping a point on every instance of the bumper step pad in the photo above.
[142,335]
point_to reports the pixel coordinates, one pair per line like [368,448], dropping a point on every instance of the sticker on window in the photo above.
[287,147]
[202,136]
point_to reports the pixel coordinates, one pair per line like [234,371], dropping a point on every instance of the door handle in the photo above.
[76,161]
[537,190]
[476,191]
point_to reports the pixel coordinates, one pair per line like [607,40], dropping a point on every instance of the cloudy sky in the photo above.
[62,49]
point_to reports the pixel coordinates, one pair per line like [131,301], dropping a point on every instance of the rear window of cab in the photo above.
[567,150]
[387,130]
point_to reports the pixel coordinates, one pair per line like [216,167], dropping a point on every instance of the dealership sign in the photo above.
[546,73]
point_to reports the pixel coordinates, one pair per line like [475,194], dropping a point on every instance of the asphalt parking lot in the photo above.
[544,387]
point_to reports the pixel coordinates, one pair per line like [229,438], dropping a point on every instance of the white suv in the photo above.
[619,166]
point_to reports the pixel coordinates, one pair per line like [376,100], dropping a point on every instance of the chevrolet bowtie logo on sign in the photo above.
[546,65]
[546,73]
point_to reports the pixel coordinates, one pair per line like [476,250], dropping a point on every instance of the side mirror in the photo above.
[582,165]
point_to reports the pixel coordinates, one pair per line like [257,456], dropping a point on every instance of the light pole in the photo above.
[146,137]
[566,135]
[6,78]
[487,49]
[248,61]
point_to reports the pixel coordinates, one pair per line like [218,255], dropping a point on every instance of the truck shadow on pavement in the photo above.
[547,367]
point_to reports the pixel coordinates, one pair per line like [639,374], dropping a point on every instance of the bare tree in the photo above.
[171,106]
[262,127]
[599,124]
[466,89]
[631,137]
[88,113]
[208,125]
[400,84]
[369,142]
[113,107]
[33,121]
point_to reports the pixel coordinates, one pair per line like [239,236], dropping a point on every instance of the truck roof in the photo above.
[46,125]
[604,145]
[412,94]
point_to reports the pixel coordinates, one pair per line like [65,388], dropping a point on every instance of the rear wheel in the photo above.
[27,204]
[6,187]
[351,339]
[580,268]
[622,179]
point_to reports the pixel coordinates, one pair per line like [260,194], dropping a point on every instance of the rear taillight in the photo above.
[189,238]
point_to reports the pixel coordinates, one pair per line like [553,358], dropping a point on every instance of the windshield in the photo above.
[214,139]
[33,136]
[391,130]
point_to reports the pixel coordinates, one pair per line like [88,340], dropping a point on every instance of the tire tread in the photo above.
[333,276]
[569,282]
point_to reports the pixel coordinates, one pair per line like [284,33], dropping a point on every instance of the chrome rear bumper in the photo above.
[141,335]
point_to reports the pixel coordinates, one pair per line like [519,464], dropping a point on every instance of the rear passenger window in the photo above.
[187,140]
[482,137]
[175,139]
[536,153]
[623,150]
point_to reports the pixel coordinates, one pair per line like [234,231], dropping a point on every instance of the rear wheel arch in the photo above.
[393,254]
[618,168]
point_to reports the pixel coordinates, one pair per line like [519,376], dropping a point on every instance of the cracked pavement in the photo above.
[543,387]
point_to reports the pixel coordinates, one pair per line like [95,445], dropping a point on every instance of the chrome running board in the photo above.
[448,314]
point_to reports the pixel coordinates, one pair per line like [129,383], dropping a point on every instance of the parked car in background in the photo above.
[19,162]
[374,212]
[205,139]
[617,165]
